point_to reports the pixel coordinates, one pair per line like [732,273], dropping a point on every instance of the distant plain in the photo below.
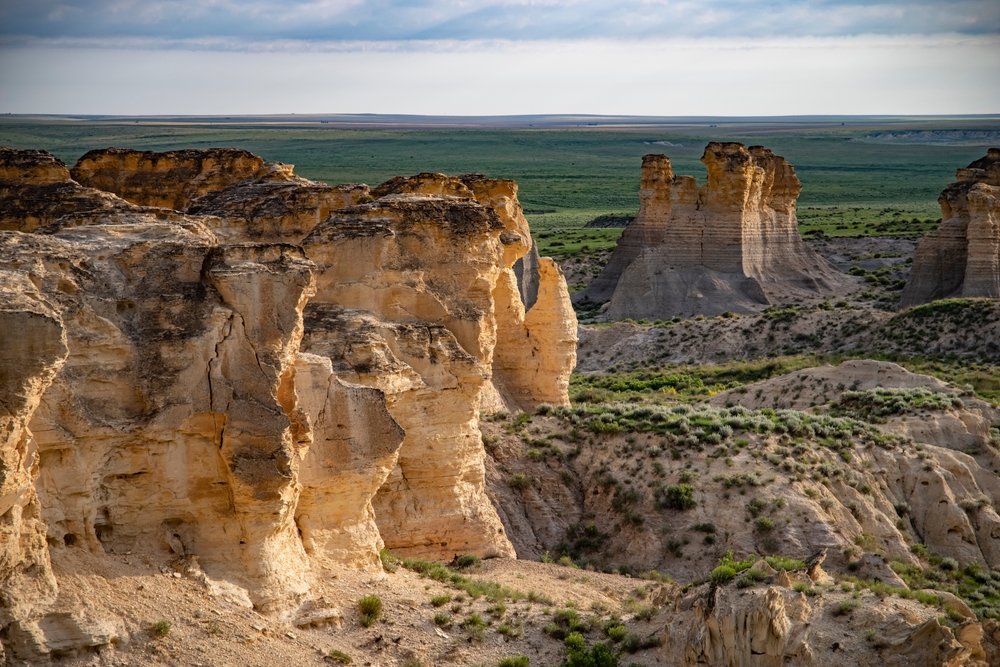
[860,175]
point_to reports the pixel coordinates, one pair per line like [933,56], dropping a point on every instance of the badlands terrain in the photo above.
[249,418]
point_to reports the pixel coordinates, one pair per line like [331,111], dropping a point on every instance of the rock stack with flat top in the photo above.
[961,258]
[732,245]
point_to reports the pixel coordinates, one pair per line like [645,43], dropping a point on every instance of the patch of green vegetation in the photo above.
[475,588]
[370,608]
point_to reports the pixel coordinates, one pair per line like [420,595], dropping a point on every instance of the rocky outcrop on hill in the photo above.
[774,625]
[36,190]
[166,180]
[192,387]
[274,205]
[732,245]
[962,257]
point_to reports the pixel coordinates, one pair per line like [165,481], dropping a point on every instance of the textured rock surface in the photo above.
[274,206]
[168,180]
[773,626]
[36,190]
[404,304]
[962,257]
[731,245]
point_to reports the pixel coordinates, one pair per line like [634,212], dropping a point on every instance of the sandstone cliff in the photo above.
[731,245]
[273,205]
[167,180]
[962,257]
[36,190]
[192,387]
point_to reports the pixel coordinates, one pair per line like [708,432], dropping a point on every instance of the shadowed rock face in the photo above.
[731,245]
[274,205]
[167,180]
[962,257]
[36,190]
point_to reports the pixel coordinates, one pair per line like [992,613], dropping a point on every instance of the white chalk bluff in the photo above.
[205,357]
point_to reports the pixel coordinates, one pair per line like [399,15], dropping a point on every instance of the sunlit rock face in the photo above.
[166,180]
[961,258]
[731,245]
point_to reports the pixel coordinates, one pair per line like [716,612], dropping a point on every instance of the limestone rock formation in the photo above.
[167,180]
[962,257]
[198,387]
[731,245]
[274,205]
[774,626]
[36,190]
[404,304]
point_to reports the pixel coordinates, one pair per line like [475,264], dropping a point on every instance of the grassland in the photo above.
[569,176]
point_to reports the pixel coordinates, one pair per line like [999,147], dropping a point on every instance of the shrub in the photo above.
[370,608]
[616,633]
[339,656]
[520,481]
[440,600]
[468,560]
[847,605]
[763,524]
[722,575]
[948,564]
[575,642]
[599,655]
[160,629]
[514,661]
[442,619]
[704,527]
[680,497]
[389,562]
[474,626]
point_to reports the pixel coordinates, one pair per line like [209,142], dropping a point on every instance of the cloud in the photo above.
[681,77]
[255,21]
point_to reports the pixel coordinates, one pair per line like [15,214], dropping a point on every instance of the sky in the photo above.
[498,57]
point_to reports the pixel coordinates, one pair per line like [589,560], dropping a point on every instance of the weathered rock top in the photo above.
[31,166]
[170,180]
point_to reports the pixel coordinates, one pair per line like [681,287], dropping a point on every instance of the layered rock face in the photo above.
[36,190]
[404,304]
[731,245]
[962,257]
[166,180]
[274,205]
[192,386]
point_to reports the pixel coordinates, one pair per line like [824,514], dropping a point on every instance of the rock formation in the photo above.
[274,205]
[731,245]
[775,625]
[166,180]
[962,257]
[36,190]
[197,386]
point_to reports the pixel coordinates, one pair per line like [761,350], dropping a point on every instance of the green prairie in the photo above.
[852,183]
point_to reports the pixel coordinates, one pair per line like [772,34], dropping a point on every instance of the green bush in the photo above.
[340,656]
[442,619]
[160,629]
[370,608]
[599,655]
[722,575]
[514,661]
[389,562]
[468,560]
[440,600]
[575,642]
[520,481]
[680,497]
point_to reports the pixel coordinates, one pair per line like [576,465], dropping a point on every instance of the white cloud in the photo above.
[849,75]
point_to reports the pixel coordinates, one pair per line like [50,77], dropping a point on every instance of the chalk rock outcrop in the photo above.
[36,190]
[167,180]
[535,349]
[731,245]
[772,625]
[274,205]
[962,257]
[197,387]
[404,304]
